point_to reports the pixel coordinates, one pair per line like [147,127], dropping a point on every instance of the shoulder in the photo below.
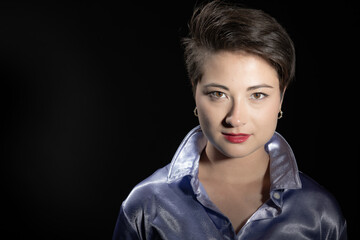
[317,195]
[133,217]
[145,191]
[312,206]
[320,205]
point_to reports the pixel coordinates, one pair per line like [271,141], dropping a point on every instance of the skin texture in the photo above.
[238,93]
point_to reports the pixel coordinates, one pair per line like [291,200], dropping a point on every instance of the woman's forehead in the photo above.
[239,69]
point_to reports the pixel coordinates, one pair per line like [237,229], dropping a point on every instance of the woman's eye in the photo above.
[217,94]
[258,96]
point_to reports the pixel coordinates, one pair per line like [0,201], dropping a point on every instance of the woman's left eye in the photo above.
[258,96]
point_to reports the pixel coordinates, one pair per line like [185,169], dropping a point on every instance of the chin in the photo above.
[231,153]
[230,150]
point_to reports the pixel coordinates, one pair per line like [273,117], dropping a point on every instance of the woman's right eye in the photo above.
[217,94]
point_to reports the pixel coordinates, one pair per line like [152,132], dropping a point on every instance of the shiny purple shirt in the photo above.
[172,203]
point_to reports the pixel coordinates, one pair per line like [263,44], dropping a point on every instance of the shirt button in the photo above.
[276,195]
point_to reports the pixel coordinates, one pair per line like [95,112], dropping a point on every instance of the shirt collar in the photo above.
[283,168]
[186,159]
[284,173]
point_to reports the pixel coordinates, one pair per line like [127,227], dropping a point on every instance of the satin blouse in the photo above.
[173,204]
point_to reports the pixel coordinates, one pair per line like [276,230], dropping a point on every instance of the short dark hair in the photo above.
[223,26]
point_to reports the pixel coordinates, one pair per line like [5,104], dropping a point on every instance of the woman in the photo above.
[233,177]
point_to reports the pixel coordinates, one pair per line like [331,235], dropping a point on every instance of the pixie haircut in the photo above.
[222,26]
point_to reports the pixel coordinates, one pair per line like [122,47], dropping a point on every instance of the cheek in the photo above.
[207,116]
[210,116]
[266,119]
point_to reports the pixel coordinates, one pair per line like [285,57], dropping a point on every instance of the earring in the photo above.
[280,115]
[196,112]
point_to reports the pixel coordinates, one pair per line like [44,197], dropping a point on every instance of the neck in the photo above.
[250,168]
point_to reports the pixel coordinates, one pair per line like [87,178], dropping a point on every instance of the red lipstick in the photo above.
[236,137]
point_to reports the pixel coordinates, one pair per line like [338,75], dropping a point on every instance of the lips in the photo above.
[236,137]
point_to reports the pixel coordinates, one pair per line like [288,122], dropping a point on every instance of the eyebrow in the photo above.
[248,89]
[217,85]
[258,86]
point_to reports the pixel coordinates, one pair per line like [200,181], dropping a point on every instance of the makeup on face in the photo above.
[238,100]
[236,137]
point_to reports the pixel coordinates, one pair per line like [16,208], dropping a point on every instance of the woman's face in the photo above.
[238,101]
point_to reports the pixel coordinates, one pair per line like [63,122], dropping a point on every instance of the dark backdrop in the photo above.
[95,97]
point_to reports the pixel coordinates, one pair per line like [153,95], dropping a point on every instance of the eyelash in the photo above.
[213,95]
[264,95]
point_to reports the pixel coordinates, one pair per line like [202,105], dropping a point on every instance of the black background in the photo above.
[95,97]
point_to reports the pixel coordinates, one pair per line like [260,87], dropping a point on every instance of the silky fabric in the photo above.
[173,204]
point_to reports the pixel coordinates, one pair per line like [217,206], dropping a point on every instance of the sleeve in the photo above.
[334,225]
[343,234]
[124,230]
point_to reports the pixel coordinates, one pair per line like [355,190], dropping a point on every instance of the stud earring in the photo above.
[196,112]
[280,115]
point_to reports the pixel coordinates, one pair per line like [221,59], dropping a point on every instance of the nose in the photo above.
[237,115]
